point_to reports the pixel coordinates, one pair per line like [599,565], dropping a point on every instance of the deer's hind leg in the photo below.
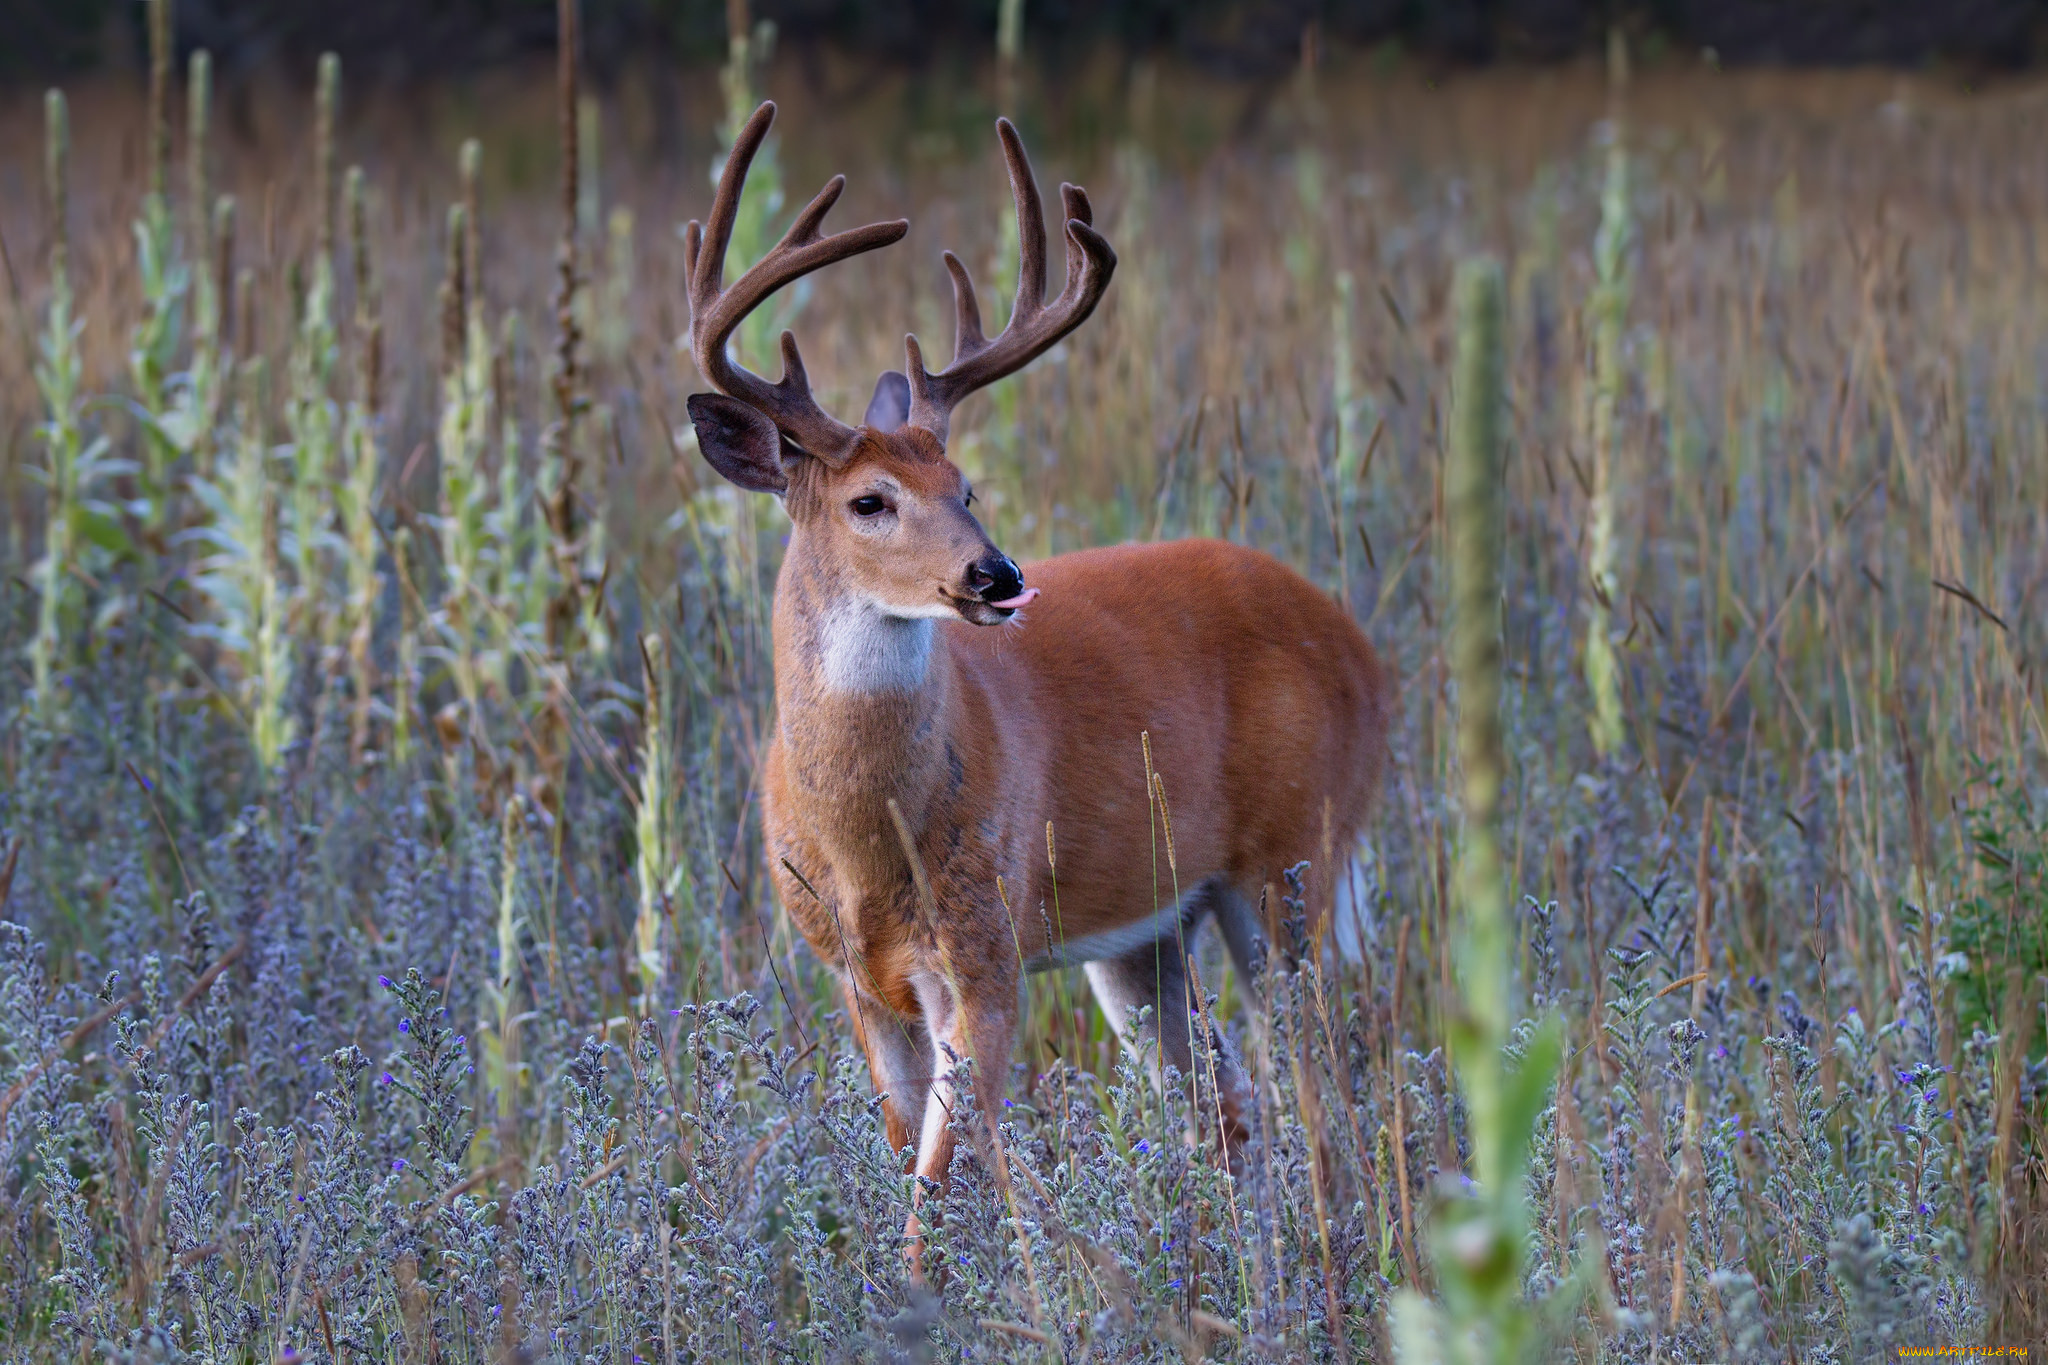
[1156,975]
[1237,919]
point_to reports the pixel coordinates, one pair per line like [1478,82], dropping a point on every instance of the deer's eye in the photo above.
[870,505]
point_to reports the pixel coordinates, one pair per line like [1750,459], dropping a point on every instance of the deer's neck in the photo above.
[861,703]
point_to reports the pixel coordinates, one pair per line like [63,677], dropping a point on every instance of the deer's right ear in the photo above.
[739,441]
[890,407]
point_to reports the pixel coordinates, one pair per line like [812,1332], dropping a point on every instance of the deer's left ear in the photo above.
[739,441]
[890,407]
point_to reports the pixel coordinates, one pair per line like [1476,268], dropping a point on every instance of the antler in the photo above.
[716,308]
[1034,325]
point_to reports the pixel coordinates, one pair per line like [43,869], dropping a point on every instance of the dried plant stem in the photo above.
[326,110]
[315,432]
[198,189]
[358,489]
[469,166]
[1009,49]
[656,860]
[562,447]
[59,379]
[160,54]
[1610,310]
[1689,1142]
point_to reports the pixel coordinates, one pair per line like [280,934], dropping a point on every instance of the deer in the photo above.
[953,751]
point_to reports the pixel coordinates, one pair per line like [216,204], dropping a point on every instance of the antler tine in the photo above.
[804,230]
[1030,220]
[1075,200]
[967,337]
[725,205]
[1035,325]
[716,309]
[693,244]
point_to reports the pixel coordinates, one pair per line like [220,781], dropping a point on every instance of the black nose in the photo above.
[995,578]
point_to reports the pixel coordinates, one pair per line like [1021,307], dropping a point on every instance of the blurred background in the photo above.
[399,40]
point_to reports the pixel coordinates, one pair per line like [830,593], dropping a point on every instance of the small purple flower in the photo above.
[1174,1283]
[405,1026]
[398,1165]
[384,1079]
[385,982]
[1141,1145]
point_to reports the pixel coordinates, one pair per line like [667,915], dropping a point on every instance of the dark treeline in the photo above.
[398,40]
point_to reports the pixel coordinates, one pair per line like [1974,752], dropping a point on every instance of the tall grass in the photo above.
[322,695]
[1505,1073]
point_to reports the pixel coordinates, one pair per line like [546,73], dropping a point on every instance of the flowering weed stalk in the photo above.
[75,522]
[357,489]
[1480,1234]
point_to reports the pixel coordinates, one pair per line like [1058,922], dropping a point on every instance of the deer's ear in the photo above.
[890,407]
[739,441]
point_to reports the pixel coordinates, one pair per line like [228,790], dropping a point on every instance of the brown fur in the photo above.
[1265,705]
[915,678]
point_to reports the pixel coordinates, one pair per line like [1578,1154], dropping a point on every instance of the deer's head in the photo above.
[880,504]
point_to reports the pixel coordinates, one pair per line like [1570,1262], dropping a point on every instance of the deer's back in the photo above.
[1266,708]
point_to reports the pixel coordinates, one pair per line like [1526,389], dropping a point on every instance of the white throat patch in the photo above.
[865,650]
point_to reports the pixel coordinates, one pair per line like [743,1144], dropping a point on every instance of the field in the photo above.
[390,969]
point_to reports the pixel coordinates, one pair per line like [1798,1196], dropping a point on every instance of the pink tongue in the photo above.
[1022,599]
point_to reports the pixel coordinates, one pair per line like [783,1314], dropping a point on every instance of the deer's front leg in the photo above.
[982,1026]
[899,1053]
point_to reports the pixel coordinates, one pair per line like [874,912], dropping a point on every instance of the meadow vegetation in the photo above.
[389,970]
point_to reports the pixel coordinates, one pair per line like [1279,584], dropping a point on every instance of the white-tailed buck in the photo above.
[927,699]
